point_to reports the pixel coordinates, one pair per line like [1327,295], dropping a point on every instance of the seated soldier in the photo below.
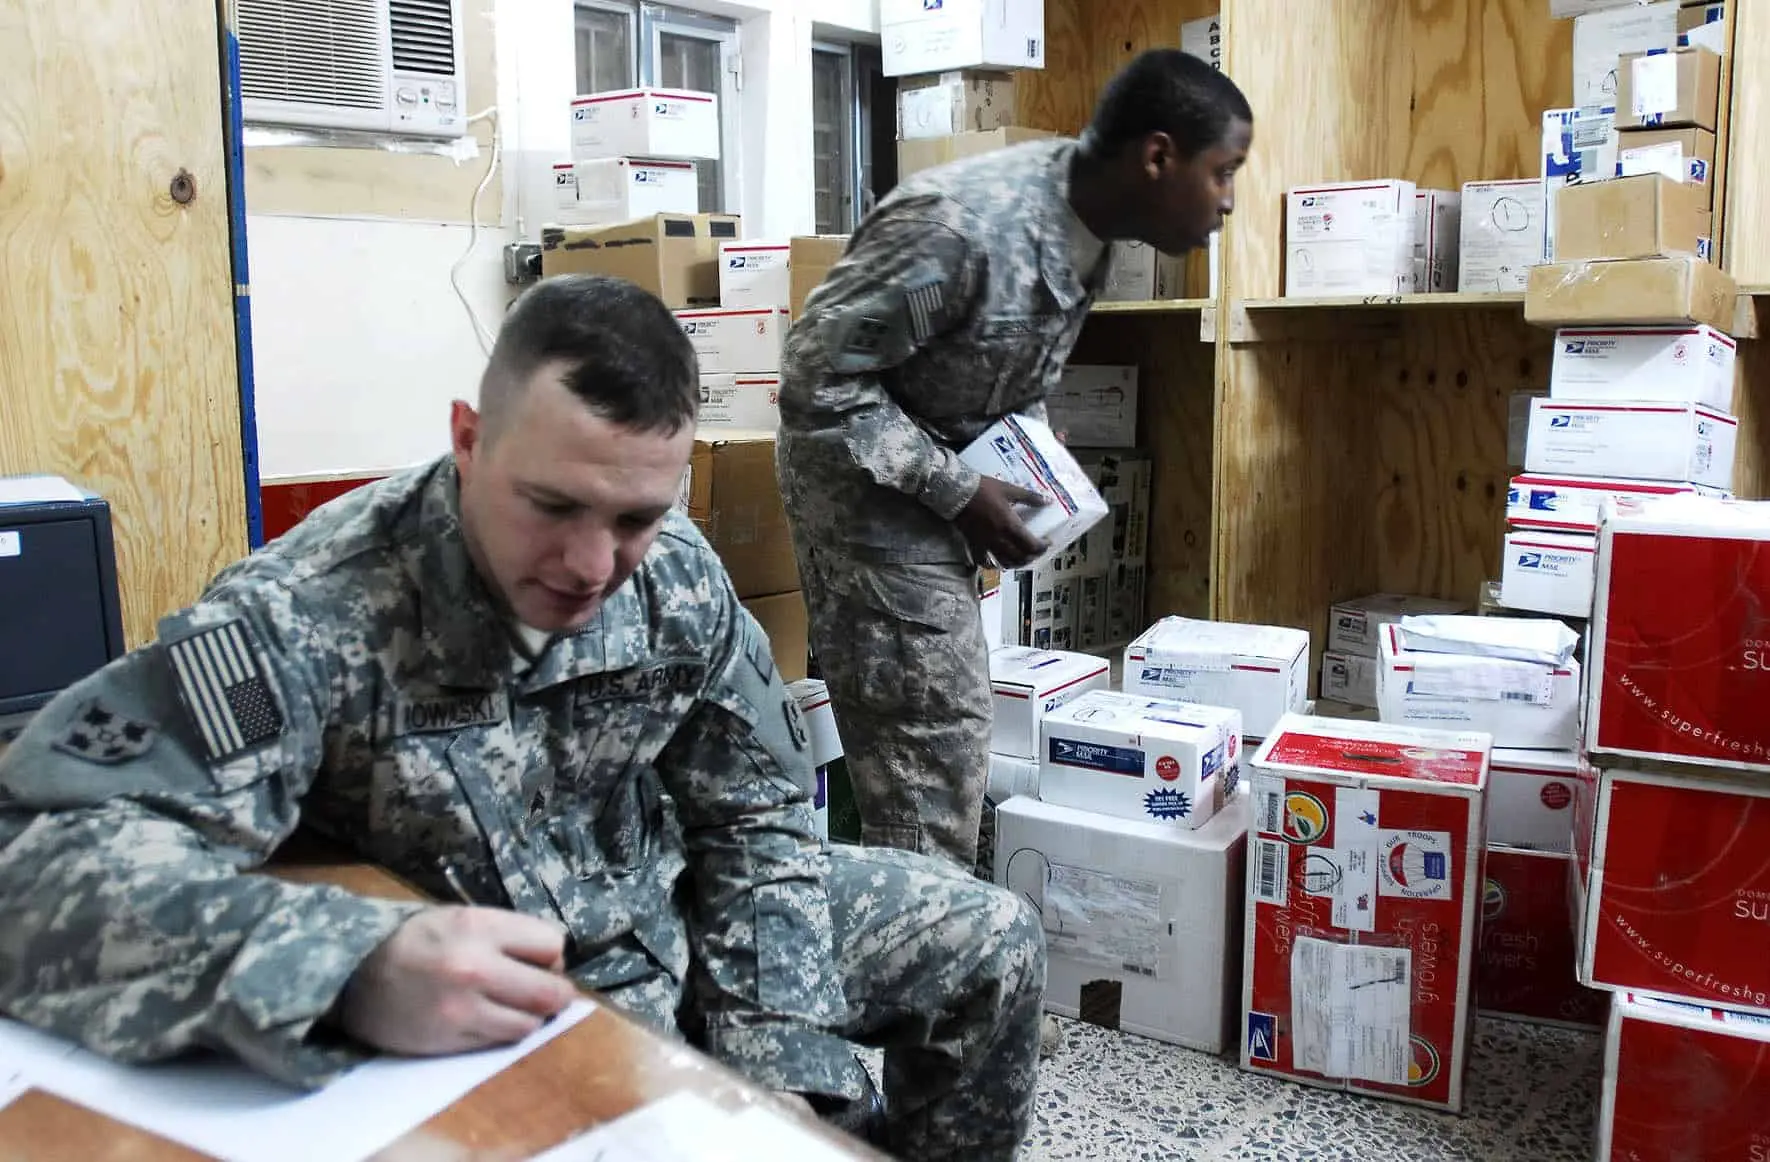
[517,676]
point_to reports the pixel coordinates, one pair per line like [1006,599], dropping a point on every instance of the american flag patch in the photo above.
[924,304]
[224,691]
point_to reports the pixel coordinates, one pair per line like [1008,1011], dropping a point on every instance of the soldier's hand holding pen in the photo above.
[992,527]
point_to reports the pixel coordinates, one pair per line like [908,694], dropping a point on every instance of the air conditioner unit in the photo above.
[394,66]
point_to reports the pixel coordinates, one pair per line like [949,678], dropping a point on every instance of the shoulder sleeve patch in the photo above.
[101,735]
[224,690]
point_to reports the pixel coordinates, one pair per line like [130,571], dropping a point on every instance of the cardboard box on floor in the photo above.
[928,152]
[731,494]
[810,259]
[674,256]
[1648,216]
[1645,291]
[784,619]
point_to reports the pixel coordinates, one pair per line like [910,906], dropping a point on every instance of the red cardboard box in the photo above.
[1684,1082]
[1364,882]
[1525,970]
[1674,893]
[1680,665]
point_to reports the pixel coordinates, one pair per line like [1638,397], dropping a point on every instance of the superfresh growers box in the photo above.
[1526,965]
[1364,890]
[1680,649]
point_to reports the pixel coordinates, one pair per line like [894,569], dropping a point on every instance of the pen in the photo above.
[453,878]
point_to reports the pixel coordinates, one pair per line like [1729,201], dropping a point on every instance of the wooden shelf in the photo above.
[1501,300]
[1152,307]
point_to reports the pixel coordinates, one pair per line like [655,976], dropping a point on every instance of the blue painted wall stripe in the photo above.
[234,132]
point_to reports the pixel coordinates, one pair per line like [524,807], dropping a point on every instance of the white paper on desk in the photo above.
[686,1127]
[1542,640]
[221,1108]
[37,490]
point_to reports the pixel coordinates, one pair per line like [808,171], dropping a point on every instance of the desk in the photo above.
[601,1068]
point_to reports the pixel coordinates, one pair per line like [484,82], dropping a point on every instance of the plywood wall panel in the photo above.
[1060,96]
[1746,248]
[117,360]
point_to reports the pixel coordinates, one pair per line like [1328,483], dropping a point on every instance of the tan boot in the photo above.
[1050,1037]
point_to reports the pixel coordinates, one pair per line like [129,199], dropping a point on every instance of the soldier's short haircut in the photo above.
[620,350]
[1164,90]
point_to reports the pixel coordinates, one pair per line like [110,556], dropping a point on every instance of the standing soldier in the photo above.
[957,302]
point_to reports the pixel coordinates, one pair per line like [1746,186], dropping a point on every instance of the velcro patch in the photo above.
[925,305]
[104,736]
[426,714]
[224,691]
[796,726]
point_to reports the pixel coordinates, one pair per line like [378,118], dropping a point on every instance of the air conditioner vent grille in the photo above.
[318,52]
[423,36]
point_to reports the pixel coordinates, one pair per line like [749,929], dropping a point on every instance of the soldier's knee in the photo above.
[1018,943]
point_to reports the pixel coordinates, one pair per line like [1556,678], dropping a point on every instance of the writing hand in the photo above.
[453,979]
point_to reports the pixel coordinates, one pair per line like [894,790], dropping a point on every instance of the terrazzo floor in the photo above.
[1532,1096]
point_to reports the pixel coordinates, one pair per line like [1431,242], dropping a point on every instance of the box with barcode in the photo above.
[1517,703]
[1143,922]
[1150,759]
[1364,891]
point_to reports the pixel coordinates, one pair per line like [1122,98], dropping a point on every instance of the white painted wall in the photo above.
[359,339]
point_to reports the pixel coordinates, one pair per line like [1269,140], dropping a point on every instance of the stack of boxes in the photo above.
[1671,883]
[1355,633]
[634,154]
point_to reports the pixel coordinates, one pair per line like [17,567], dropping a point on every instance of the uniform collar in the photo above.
[465,631]
[1070,287]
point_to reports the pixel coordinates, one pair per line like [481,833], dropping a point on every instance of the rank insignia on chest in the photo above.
[103,736]
[796,726]
[224,690]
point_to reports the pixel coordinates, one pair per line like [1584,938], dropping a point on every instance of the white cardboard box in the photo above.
[742,402]
[1600,38]
[1260,670]
[1520,704]
[1438,224]
[1579,145]
[1356,626]
[755,274]
[1671,364]
[1024,451]
[1504,230]
[1350,679]
[651,123]
[1143,923]
[1203,38]
[1547,572]
[742,341]
[619,189]
[1641,441]
[813,696]
[1029,683]
[1349,238]
[1571,504]
[1149,759]
[1530,798]
[916,36]
[1095,406]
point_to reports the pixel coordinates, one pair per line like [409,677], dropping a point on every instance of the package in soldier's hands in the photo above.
[1023,451]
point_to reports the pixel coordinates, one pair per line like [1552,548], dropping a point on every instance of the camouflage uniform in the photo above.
[957,302]
[643,781]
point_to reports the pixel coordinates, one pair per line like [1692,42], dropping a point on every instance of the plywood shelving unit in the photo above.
[1314,450]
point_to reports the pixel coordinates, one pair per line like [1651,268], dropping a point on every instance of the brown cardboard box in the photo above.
[1668,90]
[938,104]
[732,496]
[1694,14]
[783,618]
[809,258]
[1649,216]
[674,256]
[914,156]
[1689,151]
[1646,291]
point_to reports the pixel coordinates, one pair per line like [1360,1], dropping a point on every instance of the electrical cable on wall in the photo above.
[479,332]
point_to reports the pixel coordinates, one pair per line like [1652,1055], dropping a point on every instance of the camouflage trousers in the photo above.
[943,972]
[903,651]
